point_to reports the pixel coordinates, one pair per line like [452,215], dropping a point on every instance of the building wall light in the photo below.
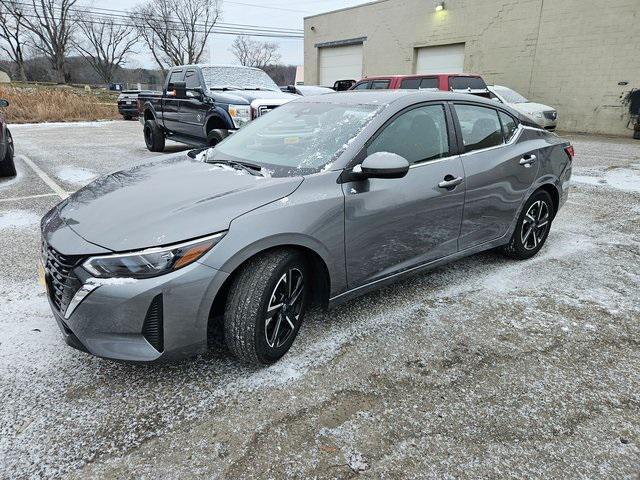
[440,6]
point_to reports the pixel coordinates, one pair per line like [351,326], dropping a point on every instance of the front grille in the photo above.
[153,327]
[262,109]
[62,283]
[550,114]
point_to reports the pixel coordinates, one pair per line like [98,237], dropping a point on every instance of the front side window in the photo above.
[361,86]
[410,83]
[379,84]
[192,79]
[176,76]
[430,83]
[298,137]
[417,135]
[480,127]
[509,126]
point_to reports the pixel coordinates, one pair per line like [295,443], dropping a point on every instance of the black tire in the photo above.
[532,229]
[214,137]
[7,165]
[153,136]
[636,134]
[257,288]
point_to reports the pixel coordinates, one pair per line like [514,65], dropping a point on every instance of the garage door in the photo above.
[340,63]
[441,59]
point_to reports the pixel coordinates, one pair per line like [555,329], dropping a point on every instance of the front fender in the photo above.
[221,118]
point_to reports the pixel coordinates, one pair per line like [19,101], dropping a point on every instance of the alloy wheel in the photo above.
[284,309]
[535,225]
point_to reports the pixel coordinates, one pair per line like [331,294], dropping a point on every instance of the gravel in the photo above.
[484,368]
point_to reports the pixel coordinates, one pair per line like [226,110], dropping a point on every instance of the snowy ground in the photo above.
[486,368]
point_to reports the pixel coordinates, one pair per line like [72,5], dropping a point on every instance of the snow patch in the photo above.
[626,179]
[76,175]
[18,219]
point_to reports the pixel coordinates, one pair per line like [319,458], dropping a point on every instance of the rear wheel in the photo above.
[265,307]
[153,136]
[7,164]
[533,227]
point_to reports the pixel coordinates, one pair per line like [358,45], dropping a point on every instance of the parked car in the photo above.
[543,115]
[202,104]
[302,206]
[454,82]
[128,103]
[306,90]
[7,166]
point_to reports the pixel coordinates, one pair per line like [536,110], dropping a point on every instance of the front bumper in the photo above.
[113,320]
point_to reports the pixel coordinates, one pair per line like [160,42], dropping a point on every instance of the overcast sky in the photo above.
[265,13]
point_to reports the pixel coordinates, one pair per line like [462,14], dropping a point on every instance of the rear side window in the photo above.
[410,83]
[361,86]
[463,83]
[379,84]
[417,135]
[480,127]
[509,126]
[429,83]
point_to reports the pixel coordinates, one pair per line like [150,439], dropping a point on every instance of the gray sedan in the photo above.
[323,199]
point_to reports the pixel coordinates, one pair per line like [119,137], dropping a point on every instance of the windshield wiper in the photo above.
[225,88]
[252,168]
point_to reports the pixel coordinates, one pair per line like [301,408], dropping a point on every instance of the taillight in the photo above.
[570,151]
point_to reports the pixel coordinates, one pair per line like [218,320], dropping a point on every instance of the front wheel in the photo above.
[7,165]
[533,227]
[153,136]
[265,307]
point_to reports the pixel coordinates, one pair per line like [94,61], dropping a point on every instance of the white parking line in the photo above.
[45,178]
[28,197]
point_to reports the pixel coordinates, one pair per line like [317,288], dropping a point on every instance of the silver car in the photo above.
[543,115]
[321,200]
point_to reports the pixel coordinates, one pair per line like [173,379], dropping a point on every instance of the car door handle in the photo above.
[450,181]
[527,160]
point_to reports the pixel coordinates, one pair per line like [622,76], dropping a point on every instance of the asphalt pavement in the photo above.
[484,368]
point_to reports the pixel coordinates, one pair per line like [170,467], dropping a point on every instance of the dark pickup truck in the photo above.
[201,104]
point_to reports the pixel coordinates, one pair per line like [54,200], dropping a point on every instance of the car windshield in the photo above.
[509,96]
[239,77]
[297,138]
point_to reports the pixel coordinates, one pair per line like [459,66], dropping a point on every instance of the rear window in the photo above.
[464,83]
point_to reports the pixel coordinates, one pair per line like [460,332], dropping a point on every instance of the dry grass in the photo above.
[47,103]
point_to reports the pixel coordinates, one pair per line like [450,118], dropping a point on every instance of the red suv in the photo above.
[457,82]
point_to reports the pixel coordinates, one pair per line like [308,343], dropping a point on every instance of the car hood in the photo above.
[167,202]
[530,107]
[247,96]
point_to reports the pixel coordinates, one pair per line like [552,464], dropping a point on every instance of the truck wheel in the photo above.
[153,136]
[265,307]
[636,134]
[7,165]
[214,137]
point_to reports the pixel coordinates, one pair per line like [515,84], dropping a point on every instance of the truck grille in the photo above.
[262,109]
[62,283]
[550,114]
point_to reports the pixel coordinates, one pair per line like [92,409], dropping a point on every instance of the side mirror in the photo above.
[180,89]
[4,103]
[383,165]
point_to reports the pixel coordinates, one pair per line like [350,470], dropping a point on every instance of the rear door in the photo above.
[171,104]
[193,109]
[392,225]
[499,171]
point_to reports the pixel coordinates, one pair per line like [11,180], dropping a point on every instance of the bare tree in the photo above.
[50,26]
[176,31]
[12,34]
[252,53]
[105,44]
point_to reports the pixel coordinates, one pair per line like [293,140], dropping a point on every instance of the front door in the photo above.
[193,109]
[499,170]
[392,225]
[171,104]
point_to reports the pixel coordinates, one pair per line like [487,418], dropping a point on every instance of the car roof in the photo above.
[419,75]
[387,97]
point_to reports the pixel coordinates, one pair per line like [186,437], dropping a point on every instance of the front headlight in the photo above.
[537,115]
[240,114]
[152,261]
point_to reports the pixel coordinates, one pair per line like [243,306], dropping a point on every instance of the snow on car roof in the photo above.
[385,97]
